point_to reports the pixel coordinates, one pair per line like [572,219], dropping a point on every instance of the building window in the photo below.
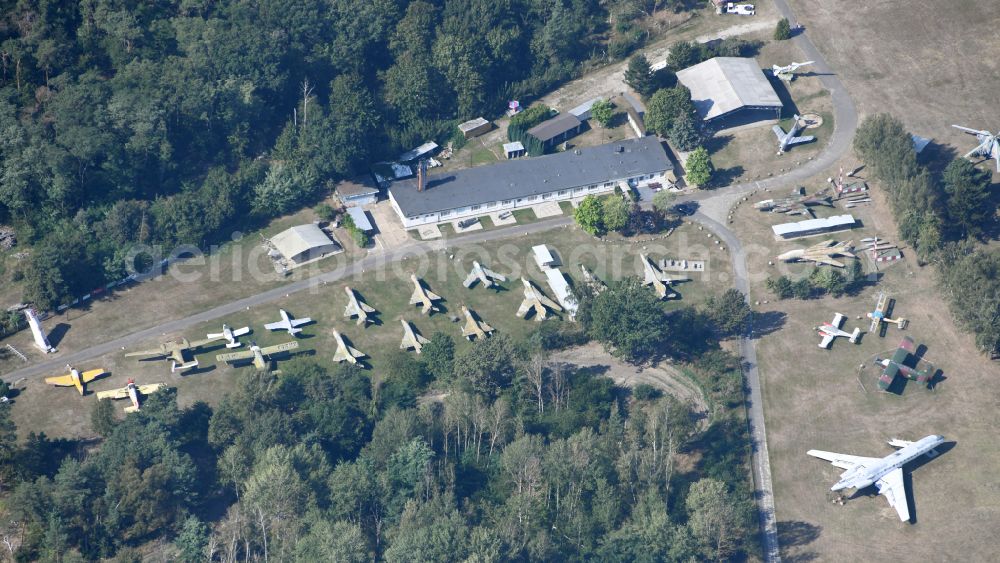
[608,184]
[563,192]
[476,207]
[507,201]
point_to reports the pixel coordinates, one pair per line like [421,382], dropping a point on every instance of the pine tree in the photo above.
[638,75]
[699,167]
[783,30]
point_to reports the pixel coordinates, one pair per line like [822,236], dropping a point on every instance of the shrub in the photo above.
[783,30]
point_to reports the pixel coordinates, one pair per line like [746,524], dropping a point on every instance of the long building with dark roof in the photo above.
[519,183]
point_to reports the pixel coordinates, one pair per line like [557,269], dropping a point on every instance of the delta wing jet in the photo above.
[412,340]
[535,300]
[260,357]
[357,308]
[231,335]
[75,378]
[483,275]
[660,281]
[885,473]
[288,323]
[474,327]
[833,330]
[132,392]
[345,352]
[423,296]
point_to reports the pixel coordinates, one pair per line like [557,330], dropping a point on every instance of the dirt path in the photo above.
[608,81]
[663,377]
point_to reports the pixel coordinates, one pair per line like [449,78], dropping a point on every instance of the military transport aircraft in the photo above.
[423,296]
[288,323]
[885,473]
[535,300]
[833,330]
[230,335]
[259,357]
[131,392]
[411,339]
[474,328]
[660,281]
[74,378]
[345,352]
[896,365]
[483,275]
[177,351]
[357,308]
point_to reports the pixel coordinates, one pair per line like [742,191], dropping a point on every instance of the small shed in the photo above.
[544,257]
[582,111]
[302,243]
[813,227]
[635,111]
[475,127]
[513,150]
[360,219]
[556,130]
[420,152]
[361,190]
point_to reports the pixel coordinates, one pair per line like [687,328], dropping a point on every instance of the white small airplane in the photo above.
[423,297]
[832,330]
[474,328]
[787,70]
[230,335]
[660,281]
[535,300]
[484,275]
[786,140]
[288,323]
[345,352]
[885,473]
[259,356]
[130,392]
[357,308]
[411,339]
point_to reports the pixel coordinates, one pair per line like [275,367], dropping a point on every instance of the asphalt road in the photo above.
[845,123]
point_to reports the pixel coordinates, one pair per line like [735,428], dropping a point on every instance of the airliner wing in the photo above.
[843,461]
[778,132]
[891,485]
[278,325]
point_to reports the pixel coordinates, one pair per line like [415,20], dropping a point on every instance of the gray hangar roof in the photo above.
[525,177]
[293,242]
[725,84]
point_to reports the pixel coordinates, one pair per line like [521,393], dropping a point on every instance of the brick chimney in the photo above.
[421,174]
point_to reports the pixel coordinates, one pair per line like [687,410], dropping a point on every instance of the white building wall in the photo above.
[503,205]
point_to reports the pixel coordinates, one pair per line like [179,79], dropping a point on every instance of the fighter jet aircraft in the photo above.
[989,144]
[535,300]
[357,308]
[177,351]
[832,330]
[660,281]
[796,204]
[786,72]
[885,473]
[74,378]
[423,297]
[821,253]
[896,365]
[130,392]
[411,339]
[878,316]
[230,335]
[260,357]
[474,328]
[486,276]
[288,323]
[345,352]
[786,140]
[592,280]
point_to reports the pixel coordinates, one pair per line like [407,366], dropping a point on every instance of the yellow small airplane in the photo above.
[131,392]
[260,356]
[74,378]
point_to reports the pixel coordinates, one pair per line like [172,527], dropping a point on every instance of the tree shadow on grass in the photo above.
[797,534]
[767,323]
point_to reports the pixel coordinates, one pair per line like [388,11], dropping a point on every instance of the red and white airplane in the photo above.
[832,330]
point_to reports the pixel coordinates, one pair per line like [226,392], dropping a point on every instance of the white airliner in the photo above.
[885,473]
[288,323]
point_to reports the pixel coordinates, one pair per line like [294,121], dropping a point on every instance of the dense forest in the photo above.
[135,122]
[512,458]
